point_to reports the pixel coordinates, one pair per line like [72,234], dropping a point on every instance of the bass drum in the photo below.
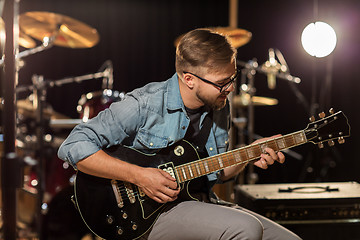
[92,103]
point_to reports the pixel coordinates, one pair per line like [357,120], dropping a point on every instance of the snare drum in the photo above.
[92,103]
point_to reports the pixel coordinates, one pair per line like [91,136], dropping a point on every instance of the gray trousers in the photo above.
[192,220]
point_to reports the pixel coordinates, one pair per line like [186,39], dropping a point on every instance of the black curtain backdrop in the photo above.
[138,37]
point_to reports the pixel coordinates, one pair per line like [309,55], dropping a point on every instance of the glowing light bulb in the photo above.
[318,39]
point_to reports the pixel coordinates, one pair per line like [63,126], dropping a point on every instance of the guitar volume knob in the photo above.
[134,226]
[109,219]
[119,230]
[124,215]
[341,140]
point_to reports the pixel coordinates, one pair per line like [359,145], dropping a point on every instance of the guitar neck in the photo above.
[238,156]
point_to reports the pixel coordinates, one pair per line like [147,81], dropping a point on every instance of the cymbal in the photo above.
[26,41]
[2,35]
[244,100]
[67,31]
[26,108]
[237,36]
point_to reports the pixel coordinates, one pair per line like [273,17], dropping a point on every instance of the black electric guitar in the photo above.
[115,209]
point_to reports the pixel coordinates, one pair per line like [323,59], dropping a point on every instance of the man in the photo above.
[159,115]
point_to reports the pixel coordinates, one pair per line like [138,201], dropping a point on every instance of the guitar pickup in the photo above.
[170,169]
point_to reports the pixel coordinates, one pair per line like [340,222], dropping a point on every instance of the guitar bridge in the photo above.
[117,193]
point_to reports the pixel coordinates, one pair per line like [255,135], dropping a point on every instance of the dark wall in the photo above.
[138,36]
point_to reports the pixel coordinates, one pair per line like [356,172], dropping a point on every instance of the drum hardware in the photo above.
[66,32]
[90,104]
[245,98]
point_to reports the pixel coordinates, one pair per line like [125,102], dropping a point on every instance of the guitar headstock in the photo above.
[328,128]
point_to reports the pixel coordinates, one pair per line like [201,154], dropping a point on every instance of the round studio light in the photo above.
[318,39]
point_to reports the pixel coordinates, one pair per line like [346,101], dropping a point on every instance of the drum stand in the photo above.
[10,171]
[246,86]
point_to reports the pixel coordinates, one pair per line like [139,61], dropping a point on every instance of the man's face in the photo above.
[210,94]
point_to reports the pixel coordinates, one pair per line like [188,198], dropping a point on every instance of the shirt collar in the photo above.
[174,100]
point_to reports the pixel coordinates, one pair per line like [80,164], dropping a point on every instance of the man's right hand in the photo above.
[157,184]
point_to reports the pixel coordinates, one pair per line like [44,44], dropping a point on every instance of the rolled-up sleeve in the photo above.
[109,127]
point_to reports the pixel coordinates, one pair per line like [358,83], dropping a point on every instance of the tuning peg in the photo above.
[331,143]
[312,119]
[320,145]
[341,140]
[331,111]
[322,115]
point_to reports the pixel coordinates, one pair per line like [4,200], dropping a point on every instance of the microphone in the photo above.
[108,72]
[271,68]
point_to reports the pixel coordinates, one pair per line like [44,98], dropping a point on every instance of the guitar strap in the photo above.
[200,140]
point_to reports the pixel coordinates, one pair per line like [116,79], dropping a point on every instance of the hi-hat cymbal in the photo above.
[237,36]
[67,31]
[244,100]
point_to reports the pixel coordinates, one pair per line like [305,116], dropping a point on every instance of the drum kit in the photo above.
[45,176]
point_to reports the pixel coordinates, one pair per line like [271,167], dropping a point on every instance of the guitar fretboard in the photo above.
[238,156]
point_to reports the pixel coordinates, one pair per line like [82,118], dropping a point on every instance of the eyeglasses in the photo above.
[222,88]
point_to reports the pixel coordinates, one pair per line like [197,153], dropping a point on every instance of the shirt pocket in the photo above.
[151,141]
[222,142]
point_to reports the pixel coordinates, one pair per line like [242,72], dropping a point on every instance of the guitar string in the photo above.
[289,141]
[255,149]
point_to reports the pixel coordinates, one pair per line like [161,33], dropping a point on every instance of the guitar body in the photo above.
[98,202]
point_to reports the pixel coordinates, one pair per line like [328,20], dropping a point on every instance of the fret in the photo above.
[291,141]
[197,169]
[281,143]
[299,138]
[229,160]
[272,144]
[190,171]
[250,152]
[220,162]
[244,156]
[184,173]
[206,167]
[263,146]
[237,156]
[257,150]
[179,175]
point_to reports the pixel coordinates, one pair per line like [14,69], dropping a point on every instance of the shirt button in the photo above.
[211,149]
[183,127]
[151,144]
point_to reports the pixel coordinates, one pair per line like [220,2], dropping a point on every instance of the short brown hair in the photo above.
[203,48]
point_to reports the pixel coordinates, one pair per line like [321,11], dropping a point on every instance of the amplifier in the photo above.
[303,203]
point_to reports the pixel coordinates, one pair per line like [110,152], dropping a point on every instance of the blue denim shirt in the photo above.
[147,119]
